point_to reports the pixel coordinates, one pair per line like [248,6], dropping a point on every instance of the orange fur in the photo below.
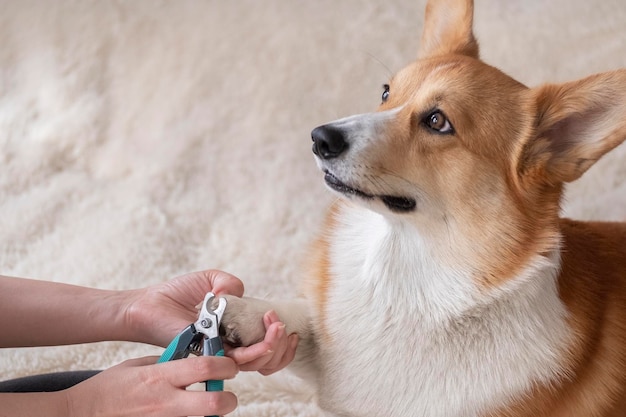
[513,149]
[318,267]
[592,284]
[445,284]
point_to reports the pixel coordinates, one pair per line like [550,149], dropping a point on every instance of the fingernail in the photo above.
[274,316]
[280,330]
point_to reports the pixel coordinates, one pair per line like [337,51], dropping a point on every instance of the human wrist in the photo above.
[132,316]
[52,404]
[77,401]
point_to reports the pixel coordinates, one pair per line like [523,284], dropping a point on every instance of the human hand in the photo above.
[140,387]
[157,313]
[272,354]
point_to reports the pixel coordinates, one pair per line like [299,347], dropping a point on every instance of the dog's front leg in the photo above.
[242,325]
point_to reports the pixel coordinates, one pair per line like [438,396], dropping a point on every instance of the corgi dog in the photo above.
[444,282]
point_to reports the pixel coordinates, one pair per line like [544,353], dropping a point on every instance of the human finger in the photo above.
[248,354]
[283,346]
[188,371]
[224,283]
[260,352]
[276,338]
[143,361]
[264,353]
[279,342]
[269,318]
[203,403]
[284,360]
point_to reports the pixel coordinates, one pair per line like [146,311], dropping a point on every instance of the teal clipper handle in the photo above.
[170,351]
[214,347]
[216,385]
[179,346]
[204,333]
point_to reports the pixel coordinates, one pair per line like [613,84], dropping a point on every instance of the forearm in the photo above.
[36,313]
[50,404]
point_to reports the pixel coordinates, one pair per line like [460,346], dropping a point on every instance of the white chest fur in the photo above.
[411,337]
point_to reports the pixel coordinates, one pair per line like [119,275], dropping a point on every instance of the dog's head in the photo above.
[459,144]
[459,148]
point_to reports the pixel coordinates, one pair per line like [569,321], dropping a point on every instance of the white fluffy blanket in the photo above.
[140,140]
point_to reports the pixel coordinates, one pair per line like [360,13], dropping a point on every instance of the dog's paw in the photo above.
[242,323]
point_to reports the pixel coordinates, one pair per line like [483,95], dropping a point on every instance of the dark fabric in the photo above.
[57,381]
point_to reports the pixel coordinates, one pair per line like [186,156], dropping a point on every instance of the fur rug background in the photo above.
[141,140]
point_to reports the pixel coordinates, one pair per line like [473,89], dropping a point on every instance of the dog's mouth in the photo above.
[334,183]
[398,204]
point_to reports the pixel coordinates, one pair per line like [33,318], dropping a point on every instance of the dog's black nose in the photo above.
[328,142]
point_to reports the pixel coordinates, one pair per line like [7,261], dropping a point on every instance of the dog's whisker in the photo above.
[395,175]
[373,57]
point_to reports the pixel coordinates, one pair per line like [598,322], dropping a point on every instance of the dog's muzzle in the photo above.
[330,142]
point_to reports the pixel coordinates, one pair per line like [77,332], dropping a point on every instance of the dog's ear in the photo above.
[576,123]
[448,29]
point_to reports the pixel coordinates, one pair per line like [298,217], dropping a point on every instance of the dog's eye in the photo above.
[385,92]
[438,122]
